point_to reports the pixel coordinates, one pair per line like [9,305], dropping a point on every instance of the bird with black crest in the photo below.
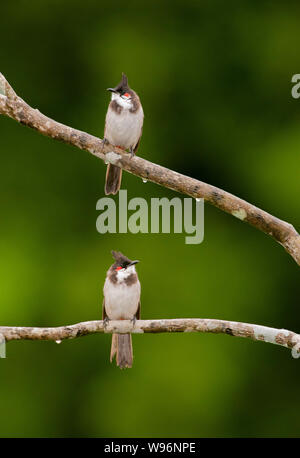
[123,128]
[122,293]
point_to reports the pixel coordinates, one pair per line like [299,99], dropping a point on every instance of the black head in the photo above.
[122,87]
[121,260]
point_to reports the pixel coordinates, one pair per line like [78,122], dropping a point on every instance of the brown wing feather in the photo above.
[137,145]
[138,312]
[103,310]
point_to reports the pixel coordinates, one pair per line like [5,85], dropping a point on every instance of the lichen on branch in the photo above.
[256,332]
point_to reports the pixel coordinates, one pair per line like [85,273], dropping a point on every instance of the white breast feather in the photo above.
[121,300]
[124,129]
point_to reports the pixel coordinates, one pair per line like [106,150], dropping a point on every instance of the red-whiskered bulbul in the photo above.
[123,128]
[122,292]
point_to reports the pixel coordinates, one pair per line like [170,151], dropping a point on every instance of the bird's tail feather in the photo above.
[113,179]
[121,346]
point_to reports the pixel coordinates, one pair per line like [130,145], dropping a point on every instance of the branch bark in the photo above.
[282,337]
[284,233]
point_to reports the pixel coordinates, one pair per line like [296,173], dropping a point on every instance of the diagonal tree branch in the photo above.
[282,337]
[13,106]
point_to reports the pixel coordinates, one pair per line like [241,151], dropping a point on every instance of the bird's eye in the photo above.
[119,268]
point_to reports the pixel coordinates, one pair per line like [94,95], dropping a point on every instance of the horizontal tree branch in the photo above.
[13,106]
[282,337]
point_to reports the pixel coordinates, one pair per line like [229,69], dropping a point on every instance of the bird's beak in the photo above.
[132,263]
[111,89]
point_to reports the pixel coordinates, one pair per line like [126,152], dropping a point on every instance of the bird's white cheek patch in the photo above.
[124,273]
[123,102]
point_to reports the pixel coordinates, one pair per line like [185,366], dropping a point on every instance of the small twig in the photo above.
[282,337]
[13,106]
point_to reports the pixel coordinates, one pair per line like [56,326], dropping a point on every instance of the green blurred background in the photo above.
[215,81]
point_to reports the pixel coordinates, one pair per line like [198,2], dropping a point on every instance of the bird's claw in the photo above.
[105,322]
[133,321]
[104,142]
[131,151]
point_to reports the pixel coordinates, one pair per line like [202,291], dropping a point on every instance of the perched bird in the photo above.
[122,292]
[123,128]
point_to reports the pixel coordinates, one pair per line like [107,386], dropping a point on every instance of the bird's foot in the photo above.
[103,143]
[105,322]
[131,151]
[133,321]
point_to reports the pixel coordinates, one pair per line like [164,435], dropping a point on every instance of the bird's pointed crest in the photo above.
[123,85]
[120,258]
